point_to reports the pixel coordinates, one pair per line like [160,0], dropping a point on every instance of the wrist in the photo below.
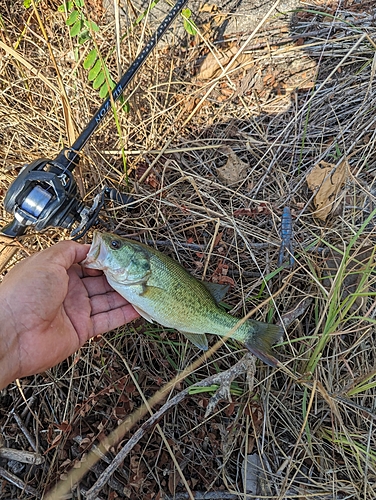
[8,347]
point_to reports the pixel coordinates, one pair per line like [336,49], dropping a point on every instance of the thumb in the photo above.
[65,253]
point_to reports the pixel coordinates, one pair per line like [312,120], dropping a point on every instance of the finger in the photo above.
[65,253]
[90,272]
[96,285]
[82,272]
[107,321]
[106,302]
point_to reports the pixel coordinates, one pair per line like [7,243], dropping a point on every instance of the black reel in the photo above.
[45,194]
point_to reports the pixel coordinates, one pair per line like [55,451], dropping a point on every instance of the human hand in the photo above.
[50,306]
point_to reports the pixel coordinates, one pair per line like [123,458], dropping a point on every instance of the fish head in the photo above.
[122,260]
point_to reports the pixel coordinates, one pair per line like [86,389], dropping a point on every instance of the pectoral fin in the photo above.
[198,339]
[143,314]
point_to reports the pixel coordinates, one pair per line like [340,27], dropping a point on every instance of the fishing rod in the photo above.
[45,193]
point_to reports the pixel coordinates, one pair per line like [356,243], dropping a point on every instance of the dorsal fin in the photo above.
[217,291]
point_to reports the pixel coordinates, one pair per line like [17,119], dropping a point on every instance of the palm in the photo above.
[52,306]
[77,305]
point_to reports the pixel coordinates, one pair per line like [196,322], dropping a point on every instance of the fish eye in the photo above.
[115,244]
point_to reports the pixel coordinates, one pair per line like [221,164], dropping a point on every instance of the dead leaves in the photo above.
[214,63]
[234,170]
[326,180]
[261,209]
[220,275]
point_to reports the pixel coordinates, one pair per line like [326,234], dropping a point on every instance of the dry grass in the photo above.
[298,95]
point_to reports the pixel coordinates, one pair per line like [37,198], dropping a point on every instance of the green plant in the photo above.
[189,25]
[81,28]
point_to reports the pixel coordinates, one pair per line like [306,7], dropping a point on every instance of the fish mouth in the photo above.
[97,254]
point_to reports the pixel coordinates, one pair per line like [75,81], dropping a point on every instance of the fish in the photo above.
[162,291]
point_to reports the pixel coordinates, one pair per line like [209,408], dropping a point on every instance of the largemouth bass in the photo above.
[161,290]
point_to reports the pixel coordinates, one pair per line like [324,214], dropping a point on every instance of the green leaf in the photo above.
[76,28]
[93,73]
[90,59]
[99,80]
[188,24]
[199,390]
[190,27]
[109,79]
[103,91]
[74,15]
[27,4]
[92,25]
[66,6]
[84,37]
[79,3]
[125,104]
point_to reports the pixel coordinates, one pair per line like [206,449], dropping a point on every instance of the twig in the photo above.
[246,365]
[28,406]
[23,456]
[290,316]
[167,243]
[222,379]
[11,478]
[104,477]
[36,72]
[83,492]
[205,495]
[26,433]
[113,483]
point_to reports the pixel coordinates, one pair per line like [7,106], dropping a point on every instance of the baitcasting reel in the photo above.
[45,193]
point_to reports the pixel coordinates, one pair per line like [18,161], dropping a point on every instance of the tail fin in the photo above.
[260,341]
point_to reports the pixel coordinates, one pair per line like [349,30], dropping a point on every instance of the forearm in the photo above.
[8,348]
[6,376]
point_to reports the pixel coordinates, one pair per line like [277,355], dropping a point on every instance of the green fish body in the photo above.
[161,290]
